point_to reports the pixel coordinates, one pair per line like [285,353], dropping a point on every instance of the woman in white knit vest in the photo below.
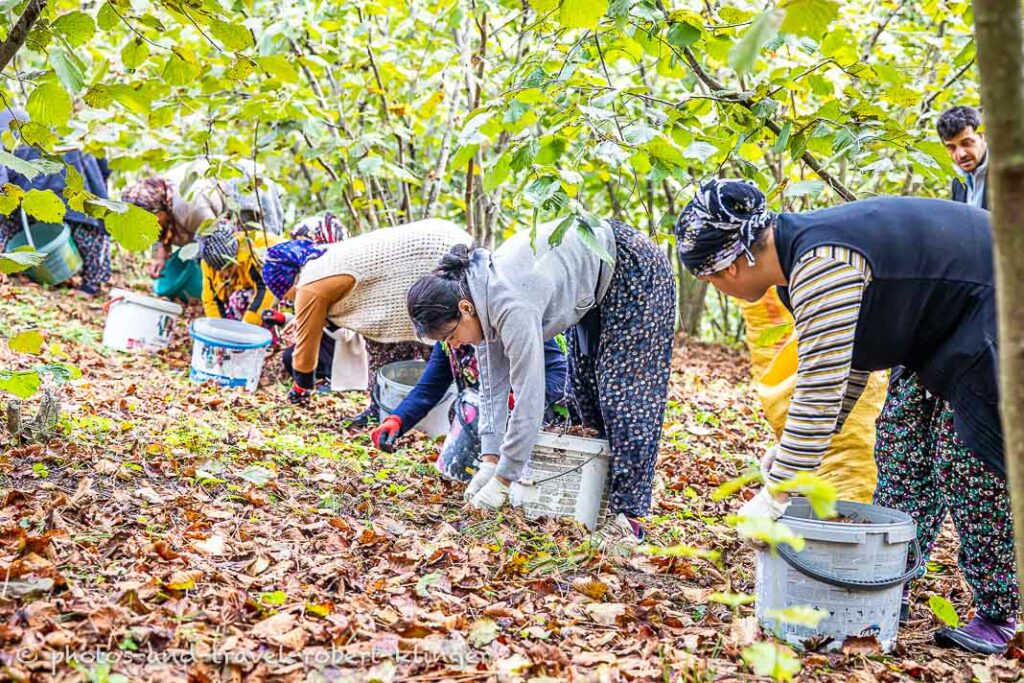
[360,285]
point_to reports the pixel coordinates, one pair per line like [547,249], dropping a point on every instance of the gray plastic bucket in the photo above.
[396,380]
[855,571]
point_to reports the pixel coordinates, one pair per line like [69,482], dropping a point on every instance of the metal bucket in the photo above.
[854,570]
[396,380]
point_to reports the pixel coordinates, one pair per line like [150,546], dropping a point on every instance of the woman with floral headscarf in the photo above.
[872,285]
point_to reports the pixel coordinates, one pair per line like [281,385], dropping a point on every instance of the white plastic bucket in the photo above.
[396,380]
[228,352]
[567,476]
[138,323]
[854,570]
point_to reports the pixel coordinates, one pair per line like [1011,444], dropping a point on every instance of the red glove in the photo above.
[384,437]
[511,401]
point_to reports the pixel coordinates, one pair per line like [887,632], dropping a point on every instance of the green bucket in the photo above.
[53,240]
[179,279]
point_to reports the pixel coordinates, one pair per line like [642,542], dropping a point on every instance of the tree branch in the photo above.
[19,32]
[806,157]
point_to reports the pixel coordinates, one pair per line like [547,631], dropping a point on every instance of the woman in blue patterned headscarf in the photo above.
[285,260]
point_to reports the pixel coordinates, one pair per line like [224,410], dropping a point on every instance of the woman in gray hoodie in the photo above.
[612,291]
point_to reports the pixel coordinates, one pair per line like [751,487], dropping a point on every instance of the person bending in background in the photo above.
[358,284]
[875,284]
[447,364]
[233,285]
[618,313]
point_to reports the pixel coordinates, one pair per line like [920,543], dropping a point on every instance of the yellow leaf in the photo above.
[44,206]
[582,13]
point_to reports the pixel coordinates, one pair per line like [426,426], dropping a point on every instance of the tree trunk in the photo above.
[1001,64]
[690,293]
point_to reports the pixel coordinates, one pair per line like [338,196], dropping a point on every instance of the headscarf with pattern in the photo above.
[152,194]
[284,261]
[721,223]
[219,249]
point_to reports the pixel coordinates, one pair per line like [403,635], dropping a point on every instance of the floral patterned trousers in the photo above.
[925,470]
[622,385]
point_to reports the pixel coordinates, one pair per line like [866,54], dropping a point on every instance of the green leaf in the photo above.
[67,69]
[768,659]
[783,139]
[682,550]
[808,17]
[10,198]
[29,341]
[773,335]
[498,173]
[17,261]
[944,610]
[544,6]
[234,37]
[683,35]
[21,383]
[744,53]
[134,53]
[76,27]
[820,493]
[556,236]
[107,18]
[804,188]
[29,169]
[370,165]
[49,104]
[44,206]
[256,474]
[61,372]
[135,229]
[731,487]
[279,67]
[425,582]
[801,615]
[273,598]
[582,13]
[484,632]
[765,530]
[588,238]
[178,71]
[733,599]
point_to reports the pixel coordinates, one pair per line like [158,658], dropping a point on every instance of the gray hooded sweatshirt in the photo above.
[523,298]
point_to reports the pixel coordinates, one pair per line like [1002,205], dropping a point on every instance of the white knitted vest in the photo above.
[384,263]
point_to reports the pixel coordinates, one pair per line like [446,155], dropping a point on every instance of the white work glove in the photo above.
[492,496]
[767,460]
[763,505]
[484,473]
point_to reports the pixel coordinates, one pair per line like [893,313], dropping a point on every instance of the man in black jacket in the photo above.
[958,129]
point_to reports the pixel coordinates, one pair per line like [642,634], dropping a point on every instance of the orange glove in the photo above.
[387,433]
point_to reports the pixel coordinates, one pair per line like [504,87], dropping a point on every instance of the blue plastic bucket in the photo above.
[228,352]
[179,279]
[62,259]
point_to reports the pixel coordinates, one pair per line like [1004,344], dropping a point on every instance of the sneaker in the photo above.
[365,419]
[905,606]
[982,635]
[619,536]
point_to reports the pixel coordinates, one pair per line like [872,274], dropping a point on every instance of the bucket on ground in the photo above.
[229,352]
[53,240]
[567,476]
[138,323]
[396,380]
[853,569]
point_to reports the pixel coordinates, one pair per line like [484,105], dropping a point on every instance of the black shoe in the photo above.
[366,418]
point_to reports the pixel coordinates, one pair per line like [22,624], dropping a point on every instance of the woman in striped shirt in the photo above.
[877,284]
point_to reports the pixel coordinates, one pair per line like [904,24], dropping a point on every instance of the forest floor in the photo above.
[178,532]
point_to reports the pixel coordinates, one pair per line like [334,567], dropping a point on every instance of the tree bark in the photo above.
[1001,64]
[19,32]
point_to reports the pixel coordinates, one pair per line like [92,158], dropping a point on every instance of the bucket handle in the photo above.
[793,560]
[28,233]
[107,305]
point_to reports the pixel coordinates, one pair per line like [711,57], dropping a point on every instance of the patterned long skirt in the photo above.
[925,470]
[621,386]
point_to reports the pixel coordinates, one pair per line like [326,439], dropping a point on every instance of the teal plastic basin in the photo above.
[179,279]
[62,259]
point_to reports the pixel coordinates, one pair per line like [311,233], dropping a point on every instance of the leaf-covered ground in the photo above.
[178,532]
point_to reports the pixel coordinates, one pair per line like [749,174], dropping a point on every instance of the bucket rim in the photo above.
[63,234]
[153,302]
[224,344]
[822,530]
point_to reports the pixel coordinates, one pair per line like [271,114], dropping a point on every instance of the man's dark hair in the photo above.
[955,119]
